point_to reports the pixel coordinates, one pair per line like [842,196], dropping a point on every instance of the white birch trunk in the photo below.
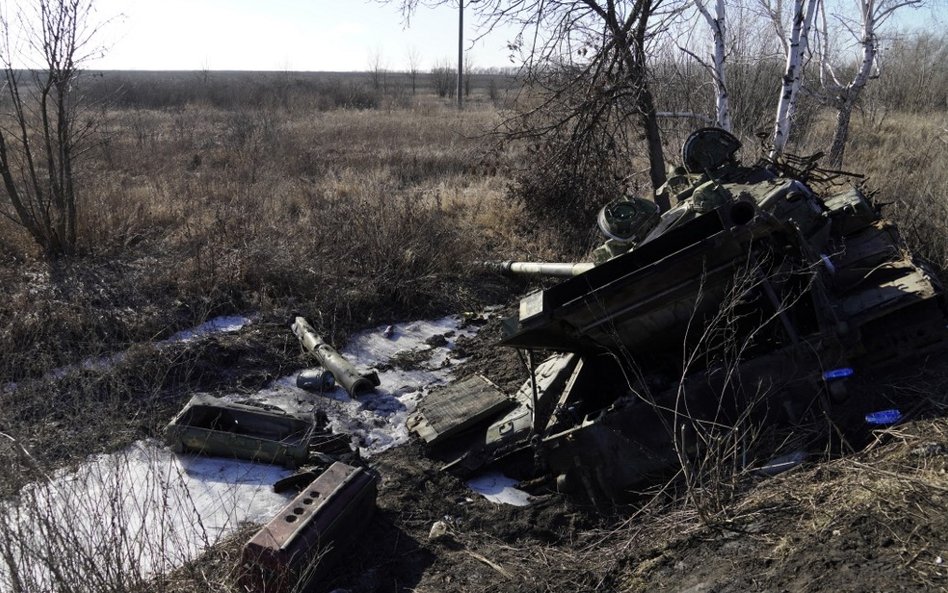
[847,96]
[720,38]
[718,32]
[803,12]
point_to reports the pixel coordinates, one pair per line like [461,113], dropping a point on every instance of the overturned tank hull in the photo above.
[751,301]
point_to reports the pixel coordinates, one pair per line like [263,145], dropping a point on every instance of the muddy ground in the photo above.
[874,518]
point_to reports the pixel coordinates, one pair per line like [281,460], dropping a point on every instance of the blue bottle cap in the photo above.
[883,417]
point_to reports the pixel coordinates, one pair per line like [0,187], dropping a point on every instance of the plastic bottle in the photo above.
[840,373]
[884,417]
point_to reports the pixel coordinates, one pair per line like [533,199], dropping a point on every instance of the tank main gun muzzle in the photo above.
[537,269]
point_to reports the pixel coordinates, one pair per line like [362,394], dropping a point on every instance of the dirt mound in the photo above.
[876,521]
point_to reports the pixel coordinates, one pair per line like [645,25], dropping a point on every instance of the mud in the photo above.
[873,519]
[397,555]
[850,519]
[481,354]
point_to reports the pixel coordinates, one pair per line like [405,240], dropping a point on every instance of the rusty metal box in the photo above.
[296,548]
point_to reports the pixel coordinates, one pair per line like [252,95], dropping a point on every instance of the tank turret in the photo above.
[754,278]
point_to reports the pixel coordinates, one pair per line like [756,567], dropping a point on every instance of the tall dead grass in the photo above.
[904,158]
[201,211]
[351,217]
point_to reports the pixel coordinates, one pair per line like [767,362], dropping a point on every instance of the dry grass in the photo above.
[350,217]
[200,211]
[903,157]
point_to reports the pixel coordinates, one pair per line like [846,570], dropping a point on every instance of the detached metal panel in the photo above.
[457,406]
[298,546]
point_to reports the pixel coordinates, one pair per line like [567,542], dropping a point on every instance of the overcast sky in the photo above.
[339,35]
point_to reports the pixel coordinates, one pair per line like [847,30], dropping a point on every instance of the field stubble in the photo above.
[350,217]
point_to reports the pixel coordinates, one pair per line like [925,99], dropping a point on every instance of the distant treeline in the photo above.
[289,90]
[914,78]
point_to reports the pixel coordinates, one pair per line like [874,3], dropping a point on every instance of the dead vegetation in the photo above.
[359,217]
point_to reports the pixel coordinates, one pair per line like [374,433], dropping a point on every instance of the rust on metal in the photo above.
[299,545]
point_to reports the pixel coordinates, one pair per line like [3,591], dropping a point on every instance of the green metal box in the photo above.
[211,427]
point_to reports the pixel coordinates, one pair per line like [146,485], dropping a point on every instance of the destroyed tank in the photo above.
[753,298]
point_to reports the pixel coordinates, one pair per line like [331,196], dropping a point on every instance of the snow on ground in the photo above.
[498,488]
[144,510]
[217,325]
[376,420]
[148,510]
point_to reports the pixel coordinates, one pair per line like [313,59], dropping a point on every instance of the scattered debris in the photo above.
[298,546]
[376,420]
[450,409]
[213,427]
[342,370]
[299,480]
[883,417]
[439,530]
[316,380]
[173,506]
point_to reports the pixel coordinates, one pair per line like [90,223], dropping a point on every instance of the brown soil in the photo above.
[482,355]
[873,520]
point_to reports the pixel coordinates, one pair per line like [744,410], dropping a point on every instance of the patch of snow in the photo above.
[144,511]
[217,325]
[499,489]
[376,420]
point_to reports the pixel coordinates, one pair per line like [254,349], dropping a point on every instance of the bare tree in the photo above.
[414,67]
[718,26]
[798,43]
[443,77]
[468,76]
[377,69]
[42,136]
[864,30]
[600,46]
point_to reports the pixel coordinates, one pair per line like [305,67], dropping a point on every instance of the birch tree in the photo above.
[798,42]
[600,45]
[840,93]
[717,24]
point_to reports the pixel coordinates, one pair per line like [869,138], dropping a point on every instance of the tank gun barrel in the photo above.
[537,269]
[342,370]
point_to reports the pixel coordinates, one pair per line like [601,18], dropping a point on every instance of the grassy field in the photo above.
[353,217]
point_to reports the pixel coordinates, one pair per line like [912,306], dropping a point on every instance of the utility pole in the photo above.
[460,54]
